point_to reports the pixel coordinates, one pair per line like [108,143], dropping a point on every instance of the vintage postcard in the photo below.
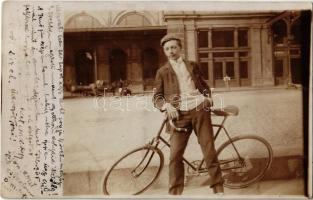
[194,99]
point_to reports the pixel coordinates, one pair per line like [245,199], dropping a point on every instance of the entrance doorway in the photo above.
[84,65]
[118,64]
[223,68]
[296,70]
[287,51]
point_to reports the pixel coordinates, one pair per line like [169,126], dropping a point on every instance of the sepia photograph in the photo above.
[191,102]
[156,99]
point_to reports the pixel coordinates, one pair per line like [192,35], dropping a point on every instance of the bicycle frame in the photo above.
[234,179]
[199,169]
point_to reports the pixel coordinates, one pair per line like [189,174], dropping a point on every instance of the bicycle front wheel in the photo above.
[134,172]
[244,160]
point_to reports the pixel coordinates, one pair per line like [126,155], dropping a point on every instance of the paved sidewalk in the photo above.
[292,188]
[277,187]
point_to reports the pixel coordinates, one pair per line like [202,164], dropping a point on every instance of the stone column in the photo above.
[129,61]
[177,27]
[236,63]
[95,57]
[267,57]
[69,67]
[256,56]
[191,41]
[134,69]
[210,63]
[103,68]
[162,57]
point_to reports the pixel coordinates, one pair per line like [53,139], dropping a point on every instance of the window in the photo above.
[203,55]
[218,70]
[230,71]
[279,29]
[204,70]
[296,32]
[243,69]
[133,20]
[222,38]
[223,54]
[83,20]
[242,38]
[203,39]
[279,68]
[243,54]
[294,51]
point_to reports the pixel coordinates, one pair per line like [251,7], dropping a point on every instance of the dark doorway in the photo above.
[84,64]
[118,64]
[150,63]
[296,70]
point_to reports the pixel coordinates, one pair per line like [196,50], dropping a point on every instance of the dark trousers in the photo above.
[198,120]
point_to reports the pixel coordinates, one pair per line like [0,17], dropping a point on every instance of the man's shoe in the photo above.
[218,189]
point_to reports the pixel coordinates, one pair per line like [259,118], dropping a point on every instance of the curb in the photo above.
[90,182]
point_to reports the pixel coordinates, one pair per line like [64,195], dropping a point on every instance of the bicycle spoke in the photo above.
[249,166]
[123,179]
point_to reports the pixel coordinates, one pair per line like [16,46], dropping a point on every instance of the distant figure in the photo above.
[120,87]
[126,91]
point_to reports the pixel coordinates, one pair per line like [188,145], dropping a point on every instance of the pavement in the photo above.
[272,188]
[99,130]
[291,188]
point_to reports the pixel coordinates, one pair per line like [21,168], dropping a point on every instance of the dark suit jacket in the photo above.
[167,87]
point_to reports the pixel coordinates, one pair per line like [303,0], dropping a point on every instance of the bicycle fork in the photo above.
[150,148]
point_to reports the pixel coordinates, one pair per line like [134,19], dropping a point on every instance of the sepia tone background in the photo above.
[263,53]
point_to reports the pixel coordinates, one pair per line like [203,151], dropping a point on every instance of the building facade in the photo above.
[247,49]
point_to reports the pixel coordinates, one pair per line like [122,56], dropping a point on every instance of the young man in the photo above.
[184,95]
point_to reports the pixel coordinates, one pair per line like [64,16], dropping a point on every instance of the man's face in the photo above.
[172,50]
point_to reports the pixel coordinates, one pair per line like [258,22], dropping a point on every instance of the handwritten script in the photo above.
[32,129]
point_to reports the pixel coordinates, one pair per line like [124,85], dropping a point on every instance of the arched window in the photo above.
[82,20]
[279,29]
[150,63]
[133,20]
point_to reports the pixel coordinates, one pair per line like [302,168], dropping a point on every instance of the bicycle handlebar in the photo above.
[226,111]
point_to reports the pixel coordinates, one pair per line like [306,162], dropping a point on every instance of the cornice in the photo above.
[217,15]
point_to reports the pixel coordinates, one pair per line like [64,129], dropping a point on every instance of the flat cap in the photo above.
[168,37]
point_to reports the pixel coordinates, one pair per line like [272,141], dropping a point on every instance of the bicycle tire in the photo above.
[140,158]
[255,165]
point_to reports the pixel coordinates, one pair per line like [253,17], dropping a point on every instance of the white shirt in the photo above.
[190,96]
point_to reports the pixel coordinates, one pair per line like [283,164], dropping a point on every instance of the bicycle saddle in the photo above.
[226,111]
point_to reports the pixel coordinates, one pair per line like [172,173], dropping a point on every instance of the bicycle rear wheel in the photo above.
[134,172]
[249,165]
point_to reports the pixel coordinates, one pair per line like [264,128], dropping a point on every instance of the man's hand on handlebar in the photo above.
[171,111]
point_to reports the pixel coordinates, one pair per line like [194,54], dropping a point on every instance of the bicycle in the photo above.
[240,166]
